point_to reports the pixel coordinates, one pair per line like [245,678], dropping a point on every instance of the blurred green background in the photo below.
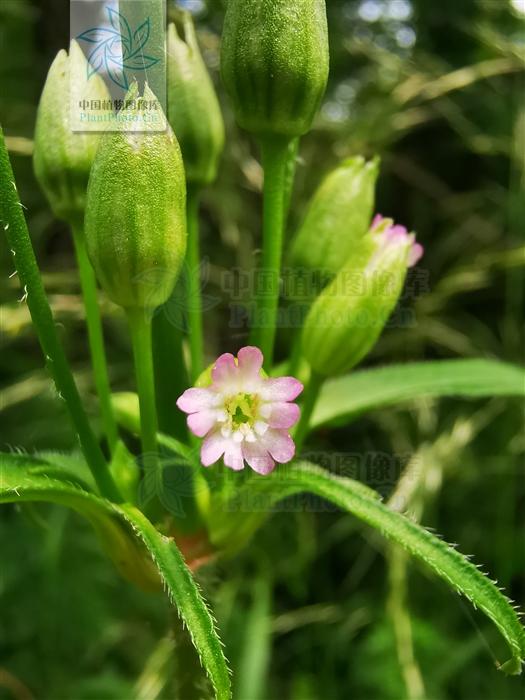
[317,607]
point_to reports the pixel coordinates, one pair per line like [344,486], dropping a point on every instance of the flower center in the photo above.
[242,409]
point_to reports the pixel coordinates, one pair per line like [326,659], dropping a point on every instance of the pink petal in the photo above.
[224,372]
[233,457]
[396,231]
[280,445]
[213,448]
[416,253]
[194,400]
[378,218]
[201,422]
[250,361]
[283,414]
[258,457]
[281,389]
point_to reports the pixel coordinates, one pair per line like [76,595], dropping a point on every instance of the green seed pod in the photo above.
[338,216]
[135,214]
[347,318]
[193,109]
[62,157]
[274,63]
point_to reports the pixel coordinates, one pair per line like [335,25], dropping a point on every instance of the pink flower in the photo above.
[389,233]
[243,415]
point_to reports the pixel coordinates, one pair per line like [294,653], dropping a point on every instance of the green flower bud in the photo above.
[274,63]
[62,157]
[193,109]
[337,217]
[135,214]
[347,318]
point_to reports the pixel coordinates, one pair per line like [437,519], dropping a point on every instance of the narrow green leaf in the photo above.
[184,593]
[262,494]
[365,390]
[23,479]
[116,524]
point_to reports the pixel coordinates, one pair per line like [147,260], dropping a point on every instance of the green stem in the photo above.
[19,241]
[170,372]
[310,396]
[95,336]
[296,355]
[194,284]
[140,328]
[275,159]
[289,174]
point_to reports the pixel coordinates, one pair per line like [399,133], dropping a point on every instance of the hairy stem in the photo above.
[310,396]
[95,336]
[277,187]
[19,241]
[194,284]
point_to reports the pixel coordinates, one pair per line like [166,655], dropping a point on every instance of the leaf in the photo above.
[139,62]
[23,479]
[65,466]
[365,390]
[115,524]
[120,23]
[184,592]
[352,496]
[97,35]
[141,36]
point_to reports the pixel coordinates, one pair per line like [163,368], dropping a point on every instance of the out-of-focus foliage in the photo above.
[312,609]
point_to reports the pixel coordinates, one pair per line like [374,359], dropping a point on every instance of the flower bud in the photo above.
[135,214]
[274,63]
[193,109]
[347,318]
[337,217]
[62,157]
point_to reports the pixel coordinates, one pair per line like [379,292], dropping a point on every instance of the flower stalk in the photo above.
[95,336]
[310,396]
[275,158]
[194,283]
[141,339]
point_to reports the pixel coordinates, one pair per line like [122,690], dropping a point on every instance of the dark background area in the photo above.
[437,90]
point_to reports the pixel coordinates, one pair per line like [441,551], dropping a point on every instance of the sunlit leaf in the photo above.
[344,398]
